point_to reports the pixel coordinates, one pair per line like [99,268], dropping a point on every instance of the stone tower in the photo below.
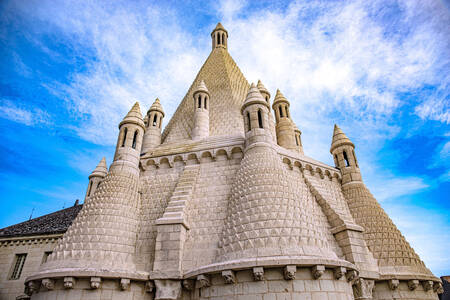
[217,208]
[96,177]
[152,135]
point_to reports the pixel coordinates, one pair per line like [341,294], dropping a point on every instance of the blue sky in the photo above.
[70,70]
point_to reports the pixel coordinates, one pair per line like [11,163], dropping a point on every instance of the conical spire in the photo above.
[339,139]
[219,26]
[262,88]
[279,97]
[133,116]
[253,97]
[156,106]
[201,87]
[101,169]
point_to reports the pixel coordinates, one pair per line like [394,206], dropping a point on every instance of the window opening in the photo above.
[281,111]
[346,159]
[18,266]
[204,104]
[124,136]
[134,139]
[249,122]
[155,119]
[260,121]
[199,101]
[90,188]
[45,257]
[354,156]
[296,140]
[223,39]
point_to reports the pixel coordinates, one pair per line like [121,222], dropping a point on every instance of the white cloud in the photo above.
[8,110]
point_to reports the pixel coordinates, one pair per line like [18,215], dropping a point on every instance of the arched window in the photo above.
[218,39]
[249,122]
[223,39]
[90,188]
[296,140]
[124,136]
[260,121]
[204,104]
[98,184]
[155,119]
[267,99]
[281,111]
[335,160]
[199,101]
[287,112]
[134,139]
[346,159]
[160,121]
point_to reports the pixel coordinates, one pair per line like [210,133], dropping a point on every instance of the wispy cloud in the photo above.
[29,117]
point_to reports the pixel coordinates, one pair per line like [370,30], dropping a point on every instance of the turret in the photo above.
[343,151]
[201,112]
[284,125]
[298,139]
[152,135]
[219,37]
[266,95]
[129,143]
[255,111]
[95,178]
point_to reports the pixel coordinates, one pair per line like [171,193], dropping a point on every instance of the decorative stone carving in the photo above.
[339,272]
[289,272]
[203,281]
[124,284]
[427,285]
[189,284]
[352,275]
[258,273]
[437,288]
[363,288]
[317,271]
[69,282]
[149,286]
[96,282]
[32,287]
[413,284]
[167,289]
[48,283]
[393,284]
[229,276]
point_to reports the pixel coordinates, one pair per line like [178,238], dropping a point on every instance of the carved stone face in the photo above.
[124,284]
[393,284]
[49,284]
[363,288]
[413,284]
[438,288]
[289,272]
[229,277]
[427,285]
[258,274]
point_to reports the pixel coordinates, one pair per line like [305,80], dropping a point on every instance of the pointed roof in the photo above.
[219,27]
[339,139]
[201,88]
[227,87]
[101,170]
[253,97]
[279,98]
[134,116]
[262,88]
[156,106]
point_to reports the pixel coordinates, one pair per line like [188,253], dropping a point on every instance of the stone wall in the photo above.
[35,249]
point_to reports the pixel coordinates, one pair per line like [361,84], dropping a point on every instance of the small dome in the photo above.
[201,87]
[253,97]
[156,106]
[279,98]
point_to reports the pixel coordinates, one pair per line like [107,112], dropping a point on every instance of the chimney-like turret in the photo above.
[343,151]
[266,95]
[95,178]
[152,135]
[201,112]
[219,37]
[286,137]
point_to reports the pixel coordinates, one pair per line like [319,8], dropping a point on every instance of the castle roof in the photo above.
[227,87]
[339,139]
[219,26]
[101,169]
[156,106]
[133,116]
[57,222]
[201,88]
[262,88]
[254,97]
[279,98]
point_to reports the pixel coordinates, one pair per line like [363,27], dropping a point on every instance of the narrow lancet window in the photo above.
[281,111]
[260,121]
[204,104]
[90,188]
[124,136]
[155,118]
[223,39]
[346,159]
[199,101]
[249,122]
[296,140]
[354,156]
[134,139]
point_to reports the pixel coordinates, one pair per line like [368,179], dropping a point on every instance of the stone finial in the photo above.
[69,282]
[229,276]
[48,283]
[363,288]
[427,285]
[149,286]
[258,273]
[393,284]
[437,288]
[189,284]
[339,272]
[289,272]
[203,281]
[413,284]
[339,139]
[124,284]
[96,282]
[156,106]
[317,271]
[101,170]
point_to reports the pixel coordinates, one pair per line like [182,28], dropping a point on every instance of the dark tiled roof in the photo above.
[57,222]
